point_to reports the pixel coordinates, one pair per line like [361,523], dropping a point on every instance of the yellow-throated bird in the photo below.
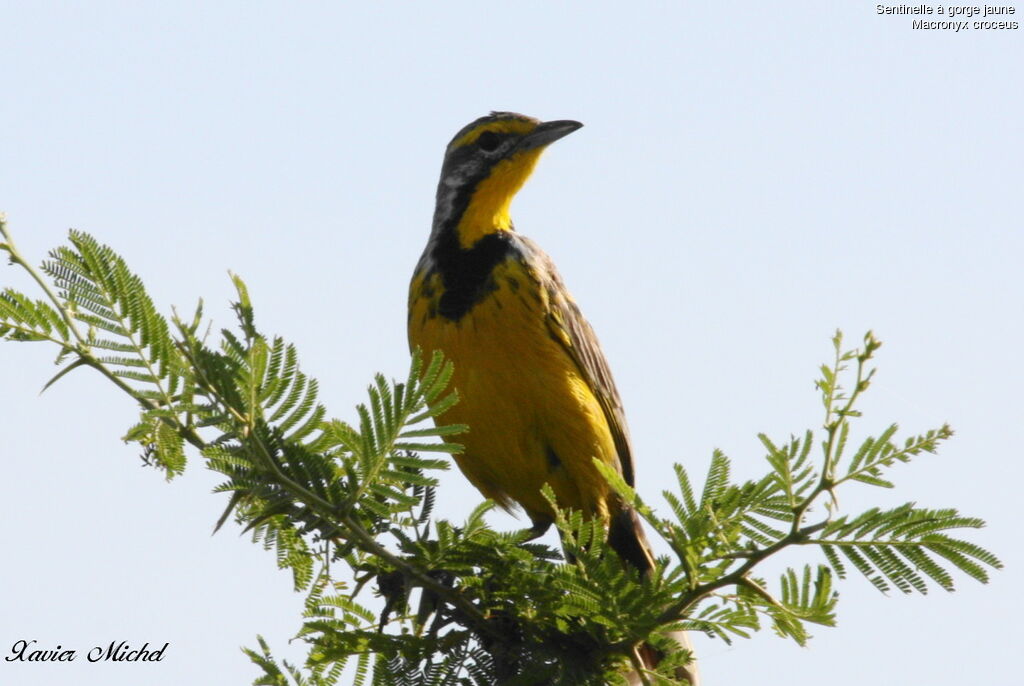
[535,388]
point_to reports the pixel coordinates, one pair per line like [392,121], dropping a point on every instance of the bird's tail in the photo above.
[627,538]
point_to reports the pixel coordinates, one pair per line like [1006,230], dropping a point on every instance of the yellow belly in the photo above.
[532,418]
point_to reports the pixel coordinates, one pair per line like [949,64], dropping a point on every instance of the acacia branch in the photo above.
[739,576]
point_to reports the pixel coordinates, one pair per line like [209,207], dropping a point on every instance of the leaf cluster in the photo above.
[347,507]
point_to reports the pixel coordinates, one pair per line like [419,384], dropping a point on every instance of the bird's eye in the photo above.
[488,141]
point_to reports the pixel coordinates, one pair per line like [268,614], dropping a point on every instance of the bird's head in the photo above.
[485,165]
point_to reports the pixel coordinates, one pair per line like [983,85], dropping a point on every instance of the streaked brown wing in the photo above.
[568,327]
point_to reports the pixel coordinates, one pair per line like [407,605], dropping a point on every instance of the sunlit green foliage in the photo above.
[348,508]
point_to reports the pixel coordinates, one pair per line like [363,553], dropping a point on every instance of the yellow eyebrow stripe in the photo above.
[501,126]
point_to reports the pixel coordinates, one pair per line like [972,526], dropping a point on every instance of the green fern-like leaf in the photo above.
[104,294]
[24,319]
[897,547]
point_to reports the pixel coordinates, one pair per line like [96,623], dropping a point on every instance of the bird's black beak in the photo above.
[547,133]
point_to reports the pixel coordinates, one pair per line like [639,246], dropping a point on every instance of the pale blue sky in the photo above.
[748,179]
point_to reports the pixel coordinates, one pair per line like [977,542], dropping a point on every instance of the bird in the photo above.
[535,388]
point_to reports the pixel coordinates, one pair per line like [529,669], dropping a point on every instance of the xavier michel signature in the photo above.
[115,651]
